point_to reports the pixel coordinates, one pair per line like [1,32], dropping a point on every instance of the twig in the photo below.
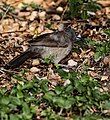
[11,14]
[5,13]
[64,13]
[11,32]
[3,70]
[61,110]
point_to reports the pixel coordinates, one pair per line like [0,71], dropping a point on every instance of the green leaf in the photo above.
[69,89]
[34,108]
[106,105]
[13,91]
[5,109]
[47,112]
[3,90]
[28,116]
[81,99]
[63,102]
[14,117]
[19,94]
[35,6]
[97,56]
[72,76]
[21,79]
[12,106]
[58,89]
[84,14]
[3,116]
[30,99]
[25,5]
[28,85]
[20,87]
[15,100]
[79,8]
[49,96]
[62,73]
[44,85]
[5,100]
[26,109]
[107,32]
[48,25]
[49,59]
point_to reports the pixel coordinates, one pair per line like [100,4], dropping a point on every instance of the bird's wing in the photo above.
[55,39]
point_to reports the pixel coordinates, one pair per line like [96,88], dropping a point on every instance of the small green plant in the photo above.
[80,8]
[25,6]
[49,114]
[80,95]
[20,103]
[107,31]
[48,59]
[6,9]
[101,48]
[33,5]
[82,92]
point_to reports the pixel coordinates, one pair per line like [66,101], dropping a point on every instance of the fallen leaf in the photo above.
[104,78]
[35,62]
[93,74]
[34,70]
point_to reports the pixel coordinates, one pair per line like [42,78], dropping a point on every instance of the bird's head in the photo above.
[70,32]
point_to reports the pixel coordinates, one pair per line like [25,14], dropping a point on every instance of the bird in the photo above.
[57,44]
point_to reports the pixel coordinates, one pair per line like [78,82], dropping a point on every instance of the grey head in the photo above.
[70,32]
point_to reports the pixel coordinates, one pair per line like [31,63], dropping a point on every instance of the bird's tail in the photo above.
[19,60]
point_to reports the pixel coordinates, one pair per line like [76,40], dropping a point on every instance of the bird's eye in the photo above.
[67,30]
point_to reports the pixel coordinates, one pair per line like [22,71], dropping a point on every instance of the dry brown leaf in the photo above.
[72,63]
[53,76]
[34,70]
[106,60]
[13,2]
[29,75]
[35,62]
[104,78]
[39,2]
[104,3]
[75,55]
[92,74]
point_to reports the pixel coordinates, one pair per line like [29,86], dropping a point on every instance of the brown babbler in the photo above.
[57,44]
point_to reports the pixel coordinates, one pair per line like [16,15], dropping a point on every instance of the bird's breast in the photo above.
[57,53]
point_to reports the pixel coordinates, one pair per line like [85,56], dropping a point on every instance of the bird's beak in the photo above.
[78,37]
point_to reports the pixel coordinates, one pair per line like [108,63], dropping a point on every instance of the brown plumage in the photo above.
[57,44]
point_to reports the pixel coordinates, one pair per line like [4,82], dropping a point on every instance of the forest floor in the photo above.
[40,90]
